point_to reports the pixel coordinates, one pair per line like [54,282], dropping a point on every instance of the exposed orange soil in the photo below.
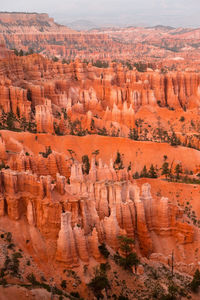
[139,153]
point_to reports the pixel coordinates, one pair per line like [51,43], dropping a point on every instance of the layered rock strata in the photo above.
[90,211]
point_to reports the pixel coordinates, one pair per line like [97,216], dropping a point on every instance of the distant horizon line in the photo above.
[103,25]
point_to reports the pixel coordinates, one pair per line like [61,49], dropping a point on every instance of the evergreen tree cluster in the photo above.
[22,53]
[118,163]
[86,164]
[151,173]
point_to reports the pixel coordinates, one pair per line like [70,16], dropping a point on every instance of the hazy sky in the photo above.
[129,12]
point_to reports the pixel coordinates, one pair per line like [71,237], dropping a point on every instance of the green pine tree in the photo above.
[178,171]
[144,172]
[165,169]
[152,172]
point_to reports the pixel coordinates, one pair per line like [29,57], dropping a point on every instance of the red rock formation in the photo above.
[80,98]
[66,250]
[91,212]
[73,213]
[4,52]
[44,118]
[176,48]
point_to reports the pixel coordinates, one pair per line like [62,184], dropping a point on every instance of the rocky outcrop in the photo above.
[77,98]
[4,52]
[44,118]
[66,250]
[82,215]
[34,22]
[53,165]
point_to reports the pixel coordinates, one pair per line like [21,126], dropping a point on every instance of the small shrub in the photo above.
[11,246]
[43,278]
[28,263]
[47,153]
[31,278]
[2,273]
[195,283]
[97,284]
[55,59]
[100,64]
[159,103]
[17,255]
[3,281]
[85,269]
[104,251]
[75,294]
[104,267]
[174,140]
[123,298]
[7,262]
[56,291]
[182,119]
[63,284]
[133,134]
[9,237]
[102,131]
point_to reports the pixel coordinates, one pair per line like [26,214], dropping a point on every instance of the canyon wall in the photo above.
[177,47]
[79,98]
[95,209]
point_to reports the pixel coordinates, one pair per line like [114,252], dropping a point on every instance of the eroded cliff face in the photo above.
[94,209]
[25,23]
[176,47]
[81,99]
